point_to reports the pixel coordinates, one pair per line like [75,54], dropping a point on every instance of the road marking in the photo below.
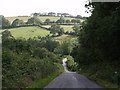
[75,78]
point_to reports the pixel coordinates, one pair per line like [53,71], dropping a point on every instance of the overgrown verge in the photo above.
[98,51]
[45,81]
[25,62]
[71,64]
[103,73]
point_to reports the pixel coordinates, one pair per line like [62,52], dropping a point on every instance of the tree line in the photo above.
[35,21]
[55,28]
[98,51]
[58,15]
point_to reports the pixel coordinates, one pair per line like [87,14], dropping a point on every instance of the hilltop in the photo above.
[42,18]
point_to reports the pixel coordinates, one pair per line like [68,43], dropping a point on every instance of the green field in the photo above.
[11,19]
[34,31]
[66,27]
[65,38]
[46,26]
[42,18]
[28,32]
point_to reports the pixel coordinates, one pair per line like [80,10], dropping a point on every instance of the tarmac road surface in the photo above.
[71,80]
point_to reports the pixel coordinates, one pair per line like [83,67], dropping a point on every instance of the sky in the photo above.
[10,8]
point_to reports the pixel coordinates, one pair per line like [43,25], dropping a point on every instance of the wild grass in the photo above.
[60,67]
[102,83]
[42,83]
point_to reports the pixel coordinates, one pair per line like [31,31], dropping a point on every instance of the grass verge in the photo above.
[60,67]
[102,83]
[42,83]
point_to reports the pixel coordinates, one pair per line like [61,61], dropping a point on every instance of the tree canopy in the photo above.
[56,29]
[76,28]
[99,41]
[4,22]
[17,22]
[34,20]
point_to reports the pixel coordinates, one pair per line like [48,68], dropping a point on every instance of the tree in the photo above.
[6,34]
[53,29]
[74,21]
[51,14]
[61,31]
[34,21]
[78,16]
[40,52]
[99,42]
[61,20]
[64,48]
[56,29]
[51,45]
[4,22]
[78,21]
[47,21]
[68,21]
[76,28]
[35,14]
[17,22]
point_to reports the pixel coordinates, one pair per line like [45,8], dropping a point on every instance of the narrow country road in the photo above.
[71,80]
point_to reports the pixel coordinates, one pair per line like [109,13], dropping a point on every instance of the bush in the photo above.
[24,62]
[72,66]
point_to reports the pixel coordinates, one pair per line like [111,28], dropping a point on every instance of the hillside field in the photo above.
[65,38]
[65,27]
[34,31]
[42,18]
[28,32]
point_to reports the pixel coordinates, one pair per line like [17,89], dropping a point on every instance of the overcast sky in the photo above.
[26,7]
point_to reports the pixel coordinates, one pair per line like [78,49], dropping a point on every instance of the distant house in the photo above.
[63,14]
[59,14]
[51,14]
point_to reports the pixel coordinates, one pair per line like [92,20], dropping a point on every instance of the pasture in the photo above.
[28,32]
[65,27]
[65,38]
